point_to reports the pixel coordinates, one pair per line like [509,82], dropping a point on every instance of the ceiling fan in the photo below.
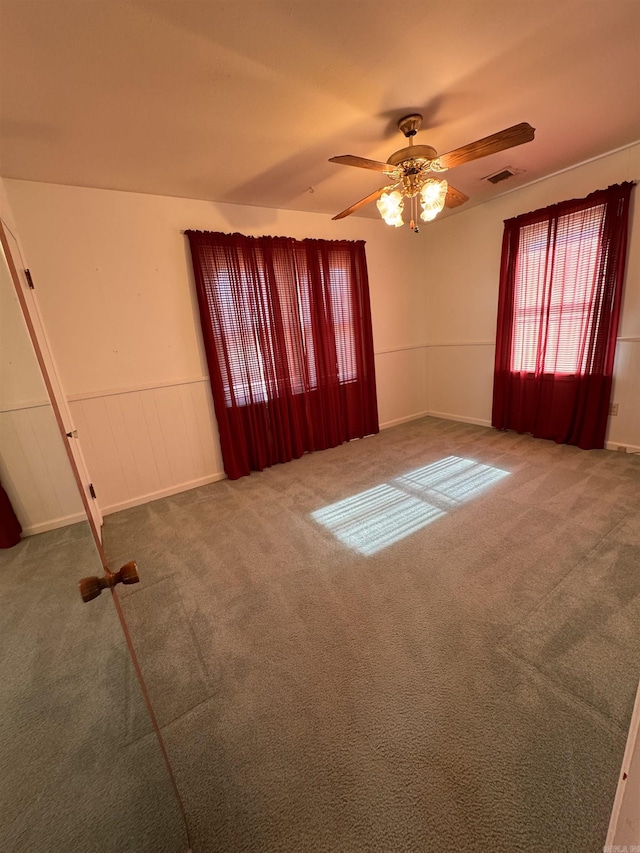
[411,171]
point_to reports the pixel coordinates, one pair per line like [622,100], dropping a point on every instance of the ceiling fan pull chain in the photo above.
[414,213]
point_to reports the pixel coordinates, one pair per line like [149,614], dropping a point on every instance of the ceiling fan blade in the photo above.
[454,197]
[371,197]
[508,138]
[363,163]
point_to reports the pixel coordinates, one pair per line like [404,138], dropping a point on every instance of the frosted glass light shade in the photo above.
[391,206]
[432,198]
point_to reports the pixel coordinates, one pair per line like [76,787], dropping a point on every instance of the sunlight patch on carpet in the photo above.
[378,517]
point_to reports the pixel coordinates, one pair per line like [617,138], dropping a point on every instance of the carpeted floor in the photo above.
[80,768]
[423,641]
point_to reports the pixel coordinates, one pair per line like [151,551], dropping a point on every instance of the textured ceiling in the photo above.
[244,102]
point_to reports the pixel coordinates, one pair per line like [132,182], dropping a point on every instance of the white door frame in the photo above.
[29,305]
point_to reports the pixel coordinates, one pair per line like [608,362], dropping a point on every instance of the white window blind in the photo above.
[554,305]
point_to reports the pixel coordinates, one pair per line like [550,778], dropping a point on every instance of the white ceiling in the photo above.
[245,100]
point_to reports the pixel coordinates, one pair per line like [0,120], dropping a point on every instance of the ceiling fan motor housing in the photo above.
[413,152]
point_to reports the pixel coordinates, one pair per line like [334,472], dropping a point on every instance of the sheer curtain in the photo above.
[561,280]
[287,332]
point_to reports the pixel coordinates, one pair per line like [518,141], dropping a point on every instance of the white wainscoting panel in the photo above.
[461,381]
[145,444]
[401,380]
[35,470]
[624,428]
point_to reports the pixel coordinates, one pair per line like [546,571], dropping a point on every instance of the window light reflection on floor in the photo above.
[378,517]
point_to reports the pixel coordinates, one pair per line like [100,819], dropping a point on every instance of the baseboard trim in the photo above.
[447,416]
[163,493]
[609,445]
[398,421]
[616,445]
[53,524]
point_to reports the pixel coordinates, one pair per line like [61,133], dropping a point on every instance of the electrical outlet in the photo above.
[613,409]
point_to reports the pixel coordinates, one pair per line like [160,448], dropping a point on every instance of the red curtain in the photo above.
[561,280]
[287,332]
[10,528]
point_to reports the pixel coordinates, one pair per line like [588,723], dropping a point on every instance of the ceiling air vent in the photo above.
[502,175]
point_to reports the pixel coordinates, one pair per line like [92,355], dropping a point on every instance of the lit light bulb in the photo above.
[429,213]
[391,206]
[432,198]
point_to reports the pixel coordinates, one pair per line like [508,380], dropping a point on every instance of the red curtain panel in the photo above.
[10,528]
[287,333]
[561,281]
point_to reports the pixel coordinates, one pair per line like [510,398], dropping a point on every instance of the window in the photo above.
[287,330]
[554,305]
[249,326]
[561,279]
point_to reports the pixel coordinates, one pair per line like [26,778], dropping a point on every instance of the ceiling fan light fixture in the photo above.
[432,198]
[409,169]
[391,206]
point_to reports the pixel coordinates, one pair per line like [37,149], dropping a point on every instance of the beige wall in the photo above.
[115,287]
[462,296]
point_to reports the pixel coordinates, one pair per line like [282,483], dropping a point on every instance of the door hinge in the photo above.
[27,275]
[92,491]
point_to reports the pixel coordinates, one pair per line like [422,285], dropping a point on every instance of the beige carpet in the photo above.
[423,641]
[80,769]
